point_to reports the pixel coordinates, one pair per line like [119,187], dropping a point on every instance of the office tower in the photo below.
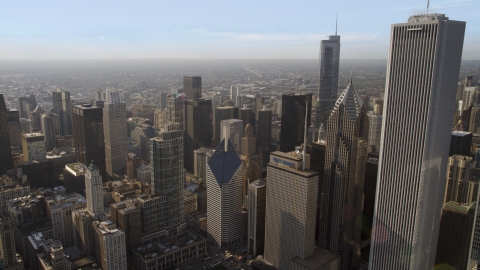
[411,177]
[14,129]
[264,134]
[317,163]
[252,162]
[192,86]
[6,162]
[128,217]
[175,111]
[162,101]
[125,96]
[470,97]
[110,249]
[200,157]
[168,177]
[115,132]
[159,118]
[197,128]
[257,195]
[50,126]
[142,134]
[33,145]
[346,153]
[9,259]
[374,129]
[133,162]
[233,129]
[35,117]
[290,209]
[293,120]
[462,180]
[144,173]
[454,240]
[460,143]
[223,113]
[247,115]
[88,136]
[235,91]
[474,120]
[59,209]
[328,86]
[94,191]
[26,125]
[83,231]
[224,199]
[63,107]
[74,178]
[378,106]
[369,188]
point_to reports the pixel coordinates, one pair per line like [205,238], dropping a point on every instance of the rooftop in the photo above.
[76,169]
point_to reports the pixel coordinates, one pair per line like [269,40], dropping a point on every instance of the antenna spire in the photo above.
[336,24]
[428,5]
[351,76]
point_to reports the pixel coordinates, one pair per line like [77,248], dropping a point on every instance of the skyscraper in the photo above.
[293,120]
[252,163]
[88,136]
[224,198]
[415,137]
[290,209]
[328,86]
[93,190]
[374,129]
[460,143]
[192,86]
[345,157]
[235,91]
[264,133]
[197,128]
[168,177]
[162,100]
[115,132]
[63,107]
[233,129]
[175,112]
[223,113]
[257,193]
[247,115]
[6,162]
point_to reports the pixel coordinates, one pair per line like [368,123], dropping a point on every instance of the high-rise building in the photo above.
[110,249]
[168,177]
[294,108]
[264,133]
[159,118]
[328,86]
[35,117]
[200,157]
[470,97]
[223,113]
[14,129]
[455,236]
[235,91]
[26,125]
[374,129]
[115,132]
[247,115]
[252,162]
[50,126]
[9,259]
[290,209]
[233,129]
[460,143]
[83,233]
[88,136]
[257,195]
[162,101]
[6,162]
[133,162]
[463,178]
[474,120]
[127,216]
[94,191]
[192,86]
[197,128]
[175,110]
[33,145]
[346,154]
[415,139]
[317,163]
[224,199]
[63,107]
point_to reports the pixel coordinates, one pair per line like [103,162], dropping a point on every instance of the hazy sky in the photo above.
[51,29]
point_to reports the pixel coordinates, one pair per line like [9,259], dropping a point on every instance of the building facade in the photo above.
[115,133]
[294,108]
[6,162]
[257,195]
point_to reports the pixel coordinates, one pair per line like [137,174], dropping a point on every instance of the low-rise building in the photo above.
[11,188]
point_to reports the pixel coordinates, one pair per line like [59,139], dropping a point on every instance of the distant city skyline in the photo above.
[213,29]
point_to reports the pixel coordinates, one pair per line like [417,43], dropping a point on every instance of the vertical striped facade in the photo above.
[422,74]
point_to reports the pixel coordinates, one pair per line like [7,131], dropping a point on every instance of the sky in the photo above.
[211,29]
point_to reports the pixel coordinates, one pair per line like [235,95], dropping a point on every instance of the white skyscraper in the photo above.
[374,129]
[115,133]
[422,76]
[233,129]
[224,195]
[94,192]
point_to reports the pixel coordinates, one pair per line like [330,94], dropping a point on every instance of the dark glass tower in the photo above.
[6,162]
[247,115]
[63,107]
[88,136]
[293,120]
[192,86]
[264,133]
[197,128]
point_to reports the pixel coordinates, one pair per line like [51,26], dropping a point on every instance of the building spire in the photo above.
[351,77]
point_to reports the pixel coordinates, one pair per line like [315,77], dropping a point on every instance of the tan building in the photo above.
[462,180]
[33,145]
[290,209]
[110,249]
[133,162]
[127,216]
[115,130]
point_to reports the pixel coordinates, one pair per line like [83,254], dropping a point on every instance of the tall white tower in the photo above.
[422,75]
[94,193]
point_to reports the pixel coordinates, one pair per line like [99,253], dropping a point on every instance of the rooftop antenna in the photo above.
[336,25]
[428,5]
[351,76]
